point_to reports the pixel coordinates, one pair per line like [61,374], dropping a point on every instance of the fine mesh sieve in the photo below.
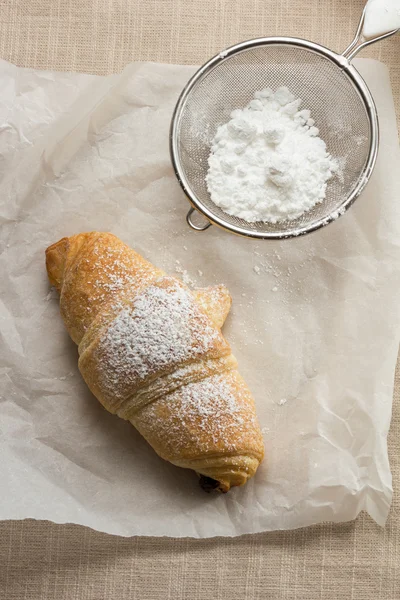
[340,103]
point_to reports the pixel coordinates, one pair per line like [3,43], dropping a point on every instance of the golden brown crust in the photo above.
[216,301]
[152,352]
[209,426]
[56,256]
[144,343]
[97,267]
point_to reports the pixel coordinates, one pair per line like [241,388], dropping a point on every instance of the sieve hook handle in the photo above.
[193,224]
[361,42]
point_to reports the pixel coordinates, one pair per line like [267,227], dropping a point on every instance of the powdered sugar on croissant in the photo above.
[151,351]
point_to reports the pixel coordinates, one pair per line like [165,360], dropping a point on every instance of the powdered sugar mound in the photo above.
[268,163]
[161,329]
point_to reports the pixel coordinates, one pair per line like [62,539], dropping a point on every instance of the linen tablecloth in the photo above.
[40,561]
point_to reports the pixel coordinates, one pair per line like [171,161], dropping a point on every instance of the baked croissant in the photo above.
[152,352]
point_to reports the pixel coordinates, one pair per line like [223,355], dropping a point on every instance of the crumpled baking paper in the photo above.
[314,323]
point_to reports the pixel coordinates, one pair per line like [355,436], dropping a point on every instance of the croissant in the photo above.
[152,352]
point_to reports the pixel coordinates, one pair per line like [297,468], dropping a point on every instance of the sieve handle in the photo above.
[193,225]
[360,41]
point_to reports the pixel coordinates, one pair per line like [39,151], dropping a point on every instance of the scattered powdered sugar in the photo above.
[115,270]
[341,164]
[187,280]
[220,406]
[211,398]
[268,162]
[161,329]
[335,215]
[105,276]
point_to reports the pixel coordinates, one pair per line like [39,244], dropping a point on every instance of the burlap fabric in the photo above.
[357,561]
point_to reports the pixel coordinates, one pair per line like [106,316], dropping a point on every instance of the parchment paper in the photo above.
[315,326]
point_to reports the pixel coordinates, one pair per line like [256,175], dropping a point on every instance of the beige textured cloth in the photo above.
[40,561]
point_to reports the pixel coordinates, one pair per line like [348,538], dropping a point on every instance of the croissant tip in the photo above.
[55,261]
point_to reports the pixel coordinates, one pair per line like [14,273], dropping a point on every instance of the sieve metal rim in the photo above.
[342,61]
